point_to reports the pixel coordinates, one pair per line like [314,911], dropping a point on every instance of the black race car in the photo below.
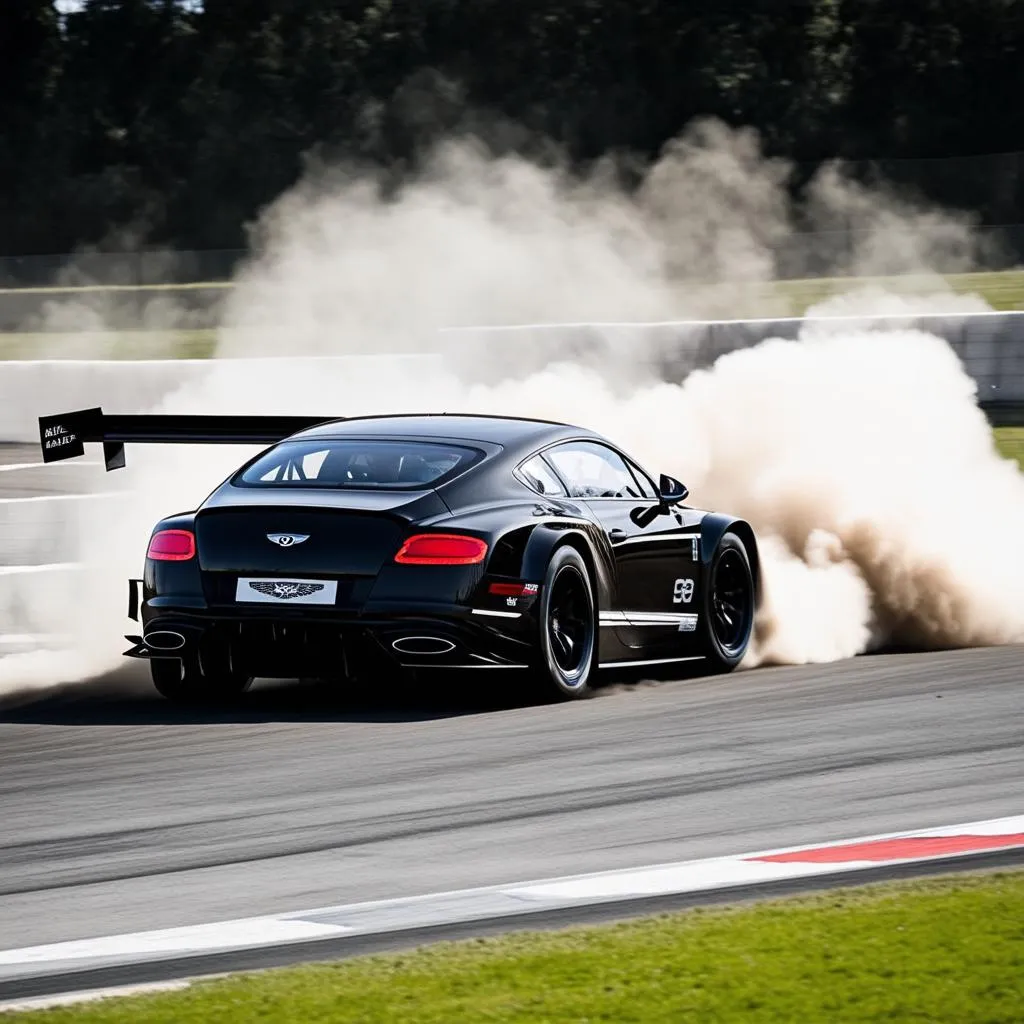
[448,542]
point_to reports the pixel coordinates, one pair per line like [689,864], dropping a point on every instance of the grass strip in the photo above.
[1010,442]
[1002,289]
[947,949]
[190,343]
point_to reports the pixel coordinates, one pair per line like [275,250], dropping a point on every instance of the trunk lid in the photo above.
[346,540]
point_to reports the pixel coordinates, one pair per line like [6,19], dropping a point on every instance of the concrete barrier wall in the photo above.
[991,346]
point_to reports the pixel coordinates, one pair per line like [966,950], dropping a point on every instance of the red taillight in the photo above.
[511,589]
[442,549]
[172,546]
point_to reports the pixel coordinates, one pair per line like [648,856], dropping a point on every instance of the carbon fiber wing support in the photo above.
[64,436]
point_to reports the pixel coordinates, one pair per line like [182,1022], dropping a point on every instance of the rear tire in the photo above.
[567,621]
[728,605]
[189,686]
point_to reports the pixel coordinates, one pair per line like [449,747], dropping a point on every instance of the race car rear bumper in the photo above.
[269,644]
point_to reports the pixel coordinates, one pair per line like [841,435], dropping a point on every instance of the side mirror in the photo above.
[671,491]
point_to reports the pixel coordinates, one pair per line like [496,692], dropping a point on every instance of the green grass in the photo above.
[200,343]
[947,949]
[1002,290]
[1010,442]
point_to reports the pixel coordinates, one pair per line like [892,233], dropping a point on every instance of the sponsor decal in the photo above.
[287,540]
[682,592]
[57,437]
[687,623]
[61,437]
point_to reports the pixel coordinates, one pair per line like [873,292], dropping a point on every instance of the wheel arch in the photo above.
[714,526]
[543,543]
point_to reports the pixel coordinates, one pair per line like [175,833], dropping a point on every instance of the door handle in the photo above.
[617,534]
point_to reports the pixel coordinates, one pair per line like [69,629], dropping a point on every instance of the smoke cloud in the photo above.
[860,457]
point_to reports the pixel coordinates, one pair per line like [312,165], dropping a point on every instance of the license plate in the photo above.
[278,591]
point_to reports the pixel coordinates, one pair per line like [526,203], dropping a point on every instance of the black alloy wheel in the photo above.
[729,604]
[568,627]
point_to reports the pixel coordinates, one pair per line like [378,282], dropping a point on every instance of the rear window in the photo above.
[357,464]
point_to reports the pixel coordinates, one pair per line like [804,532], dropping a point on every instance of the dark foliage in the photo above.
[173,122]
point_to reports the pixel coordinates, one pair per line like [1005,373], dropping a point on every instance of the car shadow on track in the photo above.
[125,697]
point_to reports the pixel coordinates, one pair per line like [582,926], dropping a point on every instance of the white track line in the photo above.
[91,995]
[60,497]
[502,901]
[11,467]
[28,639]
[19,570]
[832,318]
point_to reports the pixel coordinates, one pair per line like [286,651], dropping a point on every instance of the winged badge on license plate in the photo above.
[276,591]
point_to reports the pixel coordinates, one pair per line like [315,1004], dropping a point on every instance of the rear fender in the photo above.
[542,544]
[713,527]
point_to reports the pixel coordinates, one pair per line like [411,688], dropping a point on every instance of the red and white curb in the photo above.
[497,902]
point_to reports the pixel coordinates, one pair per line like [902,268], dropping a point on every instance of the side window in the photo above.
[537,474]
[593,471]
[643,480]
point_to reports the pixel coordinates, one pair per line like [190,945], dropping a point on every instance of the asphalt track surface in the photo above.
[120,812]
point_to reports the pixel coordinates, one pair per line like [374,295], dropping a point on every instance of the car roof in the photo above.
[468,427]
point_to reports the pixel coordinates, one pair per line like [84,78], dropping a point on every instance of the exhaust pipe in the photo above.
[164,640]
[422,645]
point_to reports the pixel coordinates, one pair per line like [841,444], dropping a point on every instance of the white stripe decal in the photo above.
[242,934]
[648,661]
[632,618]
[675,539]
[657,617]
[497,615]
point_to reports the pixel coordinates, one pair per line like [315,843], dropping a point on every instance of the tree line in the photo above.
[174,121]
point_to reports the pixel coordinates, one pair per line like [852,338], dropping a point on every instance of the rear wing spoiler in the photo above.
[64,436]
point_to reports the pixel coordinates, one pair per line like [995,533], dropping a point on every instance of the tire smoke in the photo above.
[861,459]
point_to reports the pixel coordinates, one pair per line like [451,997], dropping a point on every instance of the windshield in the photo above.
[350,463]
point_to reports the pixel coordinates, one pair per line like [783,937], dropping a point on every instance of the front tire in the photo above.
[728,604]
[189,686]
[567,621]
